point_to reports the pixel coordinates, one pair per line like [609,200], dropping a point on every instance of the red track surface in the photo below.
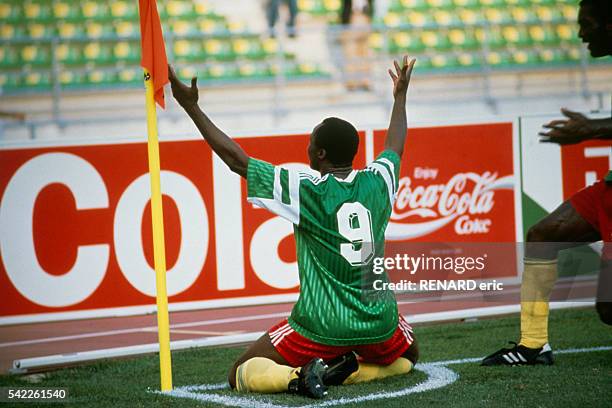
[42,339]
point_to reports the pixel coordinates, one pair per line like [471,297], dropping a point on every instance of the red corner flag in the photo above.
[153,50]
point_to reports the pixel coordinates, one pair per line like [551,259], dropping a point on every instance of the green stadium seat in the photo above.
[95,10]
[98,52]
[40,30]
[464,39]
[131,76]
[182,9]
[471,17]
[439,4]
[212,26]
[99,30]
[126,28]
[124,9]
[418,19]
[573,54]
[552,56]
[36,55]
[394,19]
[570,12]
[436,40]
[446,18]
[10,81]
[523,15]
[11,11]
[188,50]
[497,16]
[270,46]
[499,59]
[202,9]
[406,42]
[37,10]
[549,14]
[66,10]
[376,42]
[468,60]
[126,51]
[70,30]
[567,33]
[218,49]
[9,57]
[524,3]
[444,61]
[332,6]
[493,37]
[466,3]
[69,54]
[183,27]
[414,4]
[9,31]
[543,34]
[72,79]
[544,2]
[525,57]
[493,3]
[39,80]
[250,48]
[222,71]
[100,77]
[254,71]
[516,35]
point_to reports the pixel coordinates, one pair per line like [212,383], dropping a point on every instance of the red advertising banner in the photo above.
[583,164]
[76,232]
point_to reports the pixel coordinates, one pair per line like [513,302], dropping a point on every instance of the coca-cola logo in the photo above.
[465,198]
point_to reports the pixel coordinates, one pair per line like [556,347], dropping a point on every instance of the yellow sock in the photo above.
[539,278]
[260,374]
[369,372]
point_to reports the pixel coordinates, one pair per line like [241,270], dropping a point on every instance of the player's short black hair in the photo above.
[339,139]
[602,10]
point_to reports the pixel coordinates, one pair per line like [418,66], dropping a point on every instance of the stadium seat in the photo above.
[406,42]
[95,10]
[466,3]
[9,81]
[9,57]
[444,61]
[250,48]
[523,15]
[70,30]
[212,26]
[552,56]
[127,28]
[436,40]
[549,14]
[130,76]
[492,36]
[499,59]
[182,27]
[10,31]
[64,10]
[440,4]
[99,30]
[463,39]
[218,49]
[567,33]
[39,80]
[177,8]
[570,12]
[497,16]
[376,42]
[493,3]
[471,17]
[38,10]
[543,34]
[98,52]
[516,35]
[525,57]
[394,19]
[414,4]
[126,51]
[124,9]
[100,77]
[222,71]
[40,30]
[69,54]
[11,11]
[446,18]
[188,50]
[254,71]
[36,55]
[418,19]
[70,79]
[468,60]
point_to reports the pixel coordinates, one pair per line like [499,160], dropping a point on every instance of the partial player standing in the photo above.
[339,224]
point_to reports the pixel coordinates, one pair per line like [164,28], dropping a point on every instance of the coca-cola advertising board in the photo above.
[75,219]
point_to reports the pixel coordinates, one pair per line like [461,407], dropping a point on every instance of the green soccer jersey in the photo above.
[339,228]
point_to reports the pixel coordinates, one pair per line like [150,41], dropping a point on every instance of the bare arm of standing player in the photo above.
[396,134]
[227,149]
[576,128]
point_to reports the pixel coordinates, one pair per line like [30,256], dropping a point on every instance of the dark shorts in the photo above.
[298,350]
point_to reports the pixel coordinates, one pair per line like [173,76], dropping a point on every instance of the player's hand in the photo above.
[186,96]
[401,76]
[575,129]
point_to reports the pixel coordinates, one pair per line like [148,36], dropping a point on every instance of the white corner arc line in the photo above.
[438,376]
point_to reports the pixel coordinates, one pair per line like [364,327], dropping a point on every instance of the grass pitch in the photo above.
[577,379]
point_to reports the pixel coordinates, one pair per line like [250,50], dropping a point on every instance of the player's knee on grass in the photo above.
[604,309]
[412,353]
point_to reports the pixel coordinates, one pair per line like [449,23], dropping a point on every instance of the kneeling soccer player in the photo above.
[339,224]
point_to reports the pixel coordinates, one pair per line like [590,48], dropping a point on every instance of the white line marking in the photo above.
[438,376]
[144,329]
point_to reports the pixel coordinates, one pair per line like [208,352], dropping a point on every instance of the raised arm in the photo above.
[396,134]
[576,128]
[228,150]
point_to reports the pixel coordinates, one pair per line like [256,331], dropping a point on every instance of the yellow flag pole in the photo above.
[159,250]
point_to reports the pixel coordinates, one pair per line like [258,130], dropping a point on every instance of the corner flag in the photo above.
[155,66]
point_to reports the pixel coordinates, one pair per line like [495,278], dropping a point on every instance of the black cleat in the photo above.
[520,355]
[340,368]
[310,380]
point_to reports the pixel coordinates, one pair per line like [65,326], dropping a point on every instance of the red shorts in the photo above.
[298,350]
[594,204]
